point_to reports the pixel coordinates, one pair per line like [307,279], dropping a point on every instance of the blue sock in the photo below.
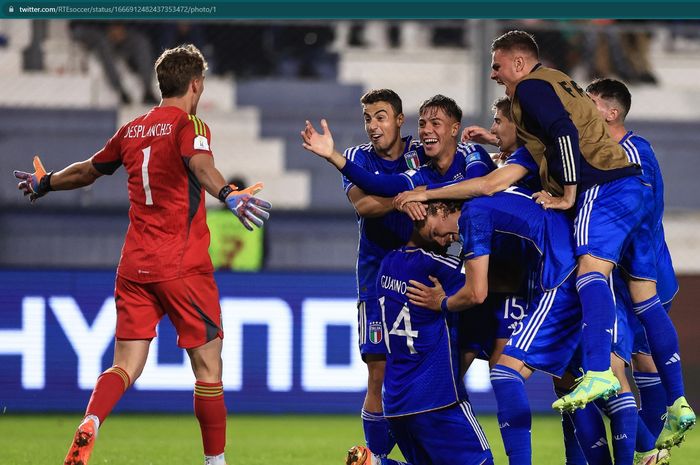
[645,440]
[598,317]
[574,454]
[591,435]
[514,416]
[652,397]
[622,411]
[377,433]
[663,342]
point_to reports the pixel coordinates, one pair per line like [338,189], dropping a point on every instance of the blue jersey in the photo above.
[380,235]
[548,234]
[422,366]
[640,151]
[531,180]
[471,161]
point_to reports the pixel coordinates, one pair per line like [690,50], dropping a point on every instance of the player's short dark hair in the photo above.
[176,67]
[446,104]
[383,95]
[443,207]
[612,89]
[516,40]
[502,104]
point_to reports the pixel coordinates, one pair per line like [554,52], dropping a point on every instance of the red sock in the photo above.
[210,410]
[110,387]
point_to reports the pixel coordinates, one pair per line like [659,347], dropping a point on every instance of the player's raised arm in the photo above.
[40,182]
[384,185]
[321,143]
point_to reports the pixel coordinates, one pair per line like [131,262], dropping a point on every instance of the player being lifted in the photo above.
[165,266]
[424,396]
[381,230]
[559,125]
[613,100]
[584,166]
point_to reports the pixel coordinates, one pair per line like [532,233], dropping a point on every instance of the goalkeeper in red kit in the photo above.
[165,266]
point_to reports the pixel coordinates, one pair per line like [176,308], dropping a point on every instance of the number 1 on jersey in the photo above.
[144,175]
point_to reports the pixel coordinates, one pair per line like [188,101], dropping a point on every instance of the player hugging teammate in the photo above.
[560,244]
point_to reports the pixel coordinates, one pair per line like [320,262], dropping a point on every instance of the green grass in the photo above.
[252,440]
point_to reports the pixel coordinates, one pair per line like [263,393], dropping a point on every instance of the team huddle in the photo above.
[563,269]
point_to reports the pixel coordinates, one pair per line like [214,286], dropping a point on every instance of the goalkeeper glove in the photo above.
[243,203]
[36,184]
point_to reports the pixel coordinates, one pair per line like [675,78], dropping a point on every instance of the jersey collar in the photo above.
[627,136]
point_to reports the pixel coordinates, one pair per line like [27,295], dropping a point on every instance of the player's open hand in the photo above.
[479,135]
[409,196]
[417,211]
[248,208]
[35,184]
[426,296]
[547,201]
[320,143]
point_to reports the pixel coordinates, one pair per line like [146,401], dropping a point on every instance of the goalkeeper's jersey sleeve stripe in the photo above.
[200,128]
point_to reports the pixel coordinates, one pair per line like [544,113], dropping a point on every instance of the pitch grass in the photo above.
[252,440]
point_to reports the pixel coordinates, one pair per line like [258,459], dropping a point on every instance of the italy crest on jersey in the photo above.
[412,160]
[375,333]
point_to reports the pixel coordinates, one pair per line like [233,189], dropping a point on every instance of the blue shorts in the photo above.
[447,436]
[497,318]
[666,282]
[370,329]
[614,223]
[551,330]
[622,331]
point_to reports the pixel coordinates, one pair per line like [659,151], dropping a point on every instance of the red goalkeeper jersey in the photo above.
[168,236]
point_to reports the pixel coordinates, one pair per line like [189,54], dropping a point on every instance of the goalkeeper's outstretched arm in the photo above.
[74,176]
[39,183]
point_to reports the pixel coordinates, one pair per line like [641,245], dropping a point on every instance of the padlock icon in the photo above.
[12,9]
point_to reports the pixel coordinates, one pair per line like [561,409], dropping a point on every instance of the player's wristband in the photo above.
[443,304]
[225,192]
[45,184]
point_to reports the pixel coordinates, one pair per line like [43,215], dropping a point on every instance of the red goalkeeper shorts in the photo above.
[191,303]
